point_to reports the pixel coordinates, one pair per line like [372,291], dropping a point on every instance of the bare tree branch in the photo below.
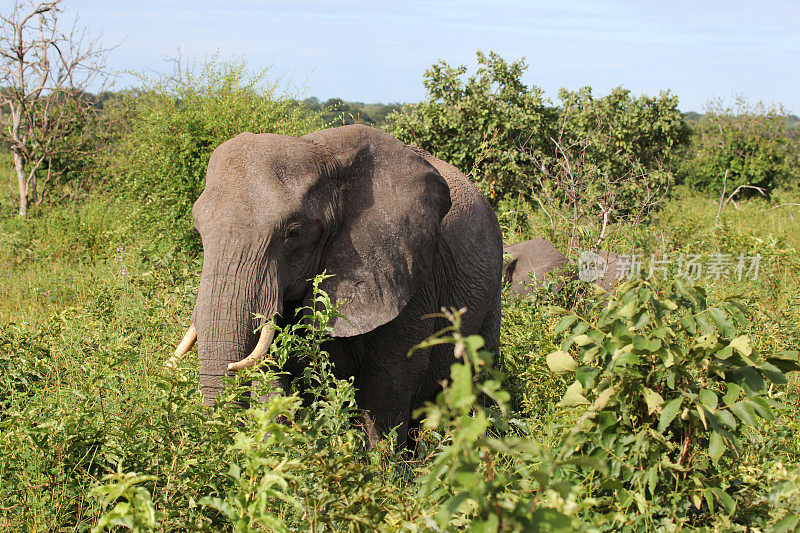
[45,75]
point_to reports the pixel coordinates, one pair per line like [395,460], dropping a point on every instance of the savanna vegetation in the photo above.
[668,405]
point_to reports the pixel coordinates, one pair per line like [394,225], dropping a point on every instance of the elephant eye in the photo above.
[293,231]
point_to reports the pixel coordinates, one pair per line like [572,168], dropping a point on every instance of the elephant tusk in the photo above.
[183,348]
[264,340]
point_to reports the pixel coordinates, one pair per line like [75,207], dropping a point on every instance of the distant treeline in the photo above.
[338,112]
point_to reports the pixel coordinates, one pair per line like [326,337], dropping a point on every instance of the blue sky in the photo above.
[376,50]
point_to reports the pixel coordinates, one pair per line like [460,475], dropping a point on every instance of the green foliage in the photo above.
[94,433]
[625,133]
[338,112]
[668,386]
[133,508]
[508,138]
[69,150]
[742,145]
[479,478]
[304,467]
[491,125]
[621,147]
[168,129]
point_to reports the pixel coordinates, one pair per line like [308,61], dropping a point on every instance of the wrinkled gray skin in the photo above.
[529,262]
[403,234]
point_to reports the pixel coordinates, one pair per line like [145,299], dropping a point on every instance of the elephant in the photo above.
[402,233]
[530,261]
[603,267]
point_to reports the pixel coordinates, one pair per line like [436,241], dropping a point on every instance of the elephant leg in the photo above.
[378,424]
[386,386]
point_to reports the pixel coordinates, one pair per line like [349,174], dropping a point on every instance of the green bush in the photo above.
[505,134]
[668,387]
[622,148]
[166,131]
[742,145]
[490,126]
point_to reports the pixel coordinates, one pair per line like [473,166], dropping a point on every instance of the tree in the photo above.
[743,145]
[44,74]
[491,126]
[612,159]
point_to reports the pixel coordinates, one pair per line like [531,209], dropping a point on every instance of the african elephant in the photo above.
[529,262]
[604,268]
[402,233]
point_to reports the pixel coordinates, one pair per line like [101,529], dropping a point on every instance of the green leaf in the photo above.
[720,319]
[772,373]
[669,413]
[762,408]
[460,389]
[749,378]
[724,498]
[582,340]
[732,393]
[745,412]
[716,446]
[586,375]
[787,361]
[642,320]
[688,323]
[653,399]
[727,419]
[564,323]
[628,358]
[628,310]
[652,480]
[706,340]
[724,353]
[708,399]
[573,396]
[701,414]
[560,362]
[737,309]
[742,345]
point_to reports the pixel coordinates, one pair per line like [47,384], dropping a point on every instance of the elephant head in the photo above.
[276,210]
[530,261]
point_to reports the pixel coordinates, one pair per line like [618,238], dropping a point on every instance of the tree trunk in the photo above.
[23,184]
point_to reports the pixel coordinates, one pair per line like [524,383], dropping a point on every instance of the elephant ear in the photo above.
[508,270]
[392,203]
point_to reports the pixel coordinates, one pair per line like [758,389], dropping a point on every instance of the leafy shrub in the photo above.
[167,131]
[281,465]
[23,363]
[503,133]
[481,124]
[613,155]
[668,387]
[480,479]
[742,145]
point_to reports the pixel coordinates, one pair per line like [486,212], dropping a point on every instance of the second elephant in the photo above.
[528,263]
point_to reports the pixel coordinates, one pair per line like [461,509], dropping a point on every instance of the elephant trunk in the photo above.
[237,283]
